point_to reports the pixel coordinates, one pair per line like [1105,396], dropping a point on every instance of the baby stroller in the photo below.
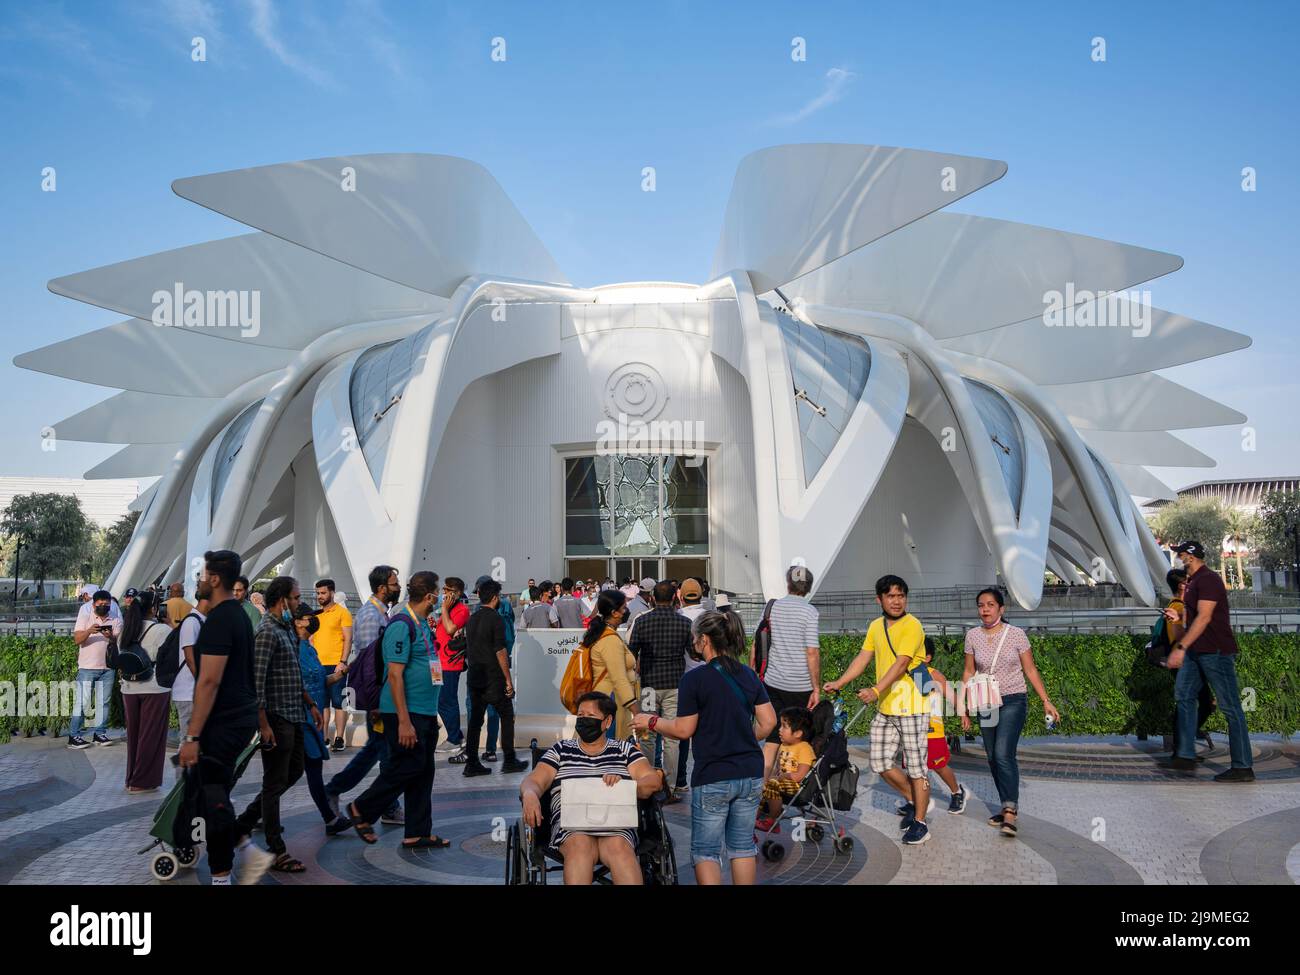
[172,823]
[831,784]
[529,857]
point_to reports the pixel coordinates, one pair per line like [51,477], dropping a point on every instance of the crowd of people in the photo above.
[675,683]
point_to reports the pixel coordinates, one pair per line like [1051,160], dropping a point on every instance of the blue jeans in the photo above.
[1000,741]
[449,705]
[374,751]
[722,813]
[1220,672]
[94,689]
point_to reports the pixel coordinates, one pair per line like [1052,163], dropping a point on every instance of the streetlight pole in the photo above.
[18,555]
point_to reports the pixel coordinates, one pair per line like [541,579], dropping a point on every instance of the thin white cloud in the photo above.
[263,21]
[368,19]
[837,82]
[78,53]
[199,16]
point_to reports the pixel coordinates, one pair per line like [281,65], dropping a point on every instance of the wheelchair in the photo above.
[530,858]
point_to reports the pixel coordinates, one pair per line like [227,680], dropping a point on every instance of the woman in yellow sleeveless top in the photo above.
[611,662]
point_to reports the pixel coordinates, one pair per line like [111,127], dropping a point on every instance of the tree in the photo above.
[112,544]
[1241,531]
[1279,532]
[55,534]
[1201,520]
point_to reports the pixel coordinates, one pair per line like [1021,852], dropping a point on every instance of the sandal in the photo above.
[427,843]
[1009,827]
[364,830]
[995,821]
[287,864]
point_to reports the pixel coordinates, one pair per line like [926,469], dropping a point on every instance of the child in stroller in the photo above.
[793,763]
[830,785]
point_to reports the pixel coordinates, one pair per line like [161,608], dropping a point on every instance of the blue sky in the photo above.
[1145,148]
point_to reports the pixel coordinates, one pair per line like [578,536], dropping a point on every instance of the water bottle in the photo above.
[837,725]
[1051,724]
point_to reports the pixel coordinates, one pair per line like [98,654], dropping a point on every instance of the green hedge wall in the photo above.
[45,658]
[1101,684]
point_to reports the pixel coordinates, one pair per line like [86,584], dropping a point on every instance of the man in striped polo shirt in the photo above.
[794,668]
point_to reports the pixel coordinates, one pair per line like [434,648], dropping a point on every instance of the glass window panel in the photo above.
[832,369]
[231,444]
[686,506]
[1004,432]
[586,519]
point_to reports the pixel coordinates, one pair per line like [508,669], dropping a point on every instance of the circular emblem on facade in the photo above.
[636,390]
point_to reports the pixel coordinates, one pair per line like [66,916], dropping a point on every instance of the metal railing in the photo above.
[952,611]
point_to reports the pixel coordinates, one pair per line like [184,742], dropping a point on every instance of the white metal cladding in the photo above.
[831,370]
[902,323]
[231,444]
[378,380]
[1004,432]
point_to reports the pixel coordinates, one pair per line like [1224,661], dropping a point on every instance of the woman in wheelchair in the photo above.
[590,755]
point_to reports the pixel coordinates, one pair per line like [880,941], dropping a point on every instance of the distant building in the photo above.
[104,502]
[1245,494]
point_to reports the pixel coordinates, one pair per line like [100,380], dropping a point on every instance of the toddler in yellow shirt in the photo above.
[793,761]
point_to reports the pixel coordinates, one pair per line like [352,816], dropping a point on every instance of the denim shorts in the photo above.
[722,813]
[333,692]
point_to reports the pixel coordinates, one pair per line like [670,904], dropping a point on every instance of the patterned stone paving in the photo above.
[1093,812]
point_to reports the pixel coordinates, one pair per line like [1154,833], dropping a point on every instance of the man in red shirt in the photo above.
[453,614]
[1206,654]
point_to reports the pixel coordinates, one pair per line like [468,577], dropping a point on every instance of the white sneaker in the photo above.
[253,863]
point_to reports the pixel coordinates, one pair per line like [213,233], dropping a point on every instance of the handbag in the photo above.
[590,804]
[982,692]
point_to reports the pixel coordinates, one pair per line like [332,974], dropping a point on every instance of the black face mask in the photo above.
[590,730]
[101,610]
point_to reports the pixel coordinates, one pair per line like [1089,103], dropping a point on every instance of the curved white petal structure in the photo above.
[796,208]
[955,274]
[138,355]
[901,398]
[300,295]
[427,222]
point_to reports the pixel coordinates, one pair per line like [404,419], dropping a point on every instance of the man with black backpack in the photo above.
[409,710]
[367,632]
[792,671]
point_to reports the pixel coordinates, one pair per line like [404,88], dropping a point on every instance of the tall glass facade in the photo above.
[629,506]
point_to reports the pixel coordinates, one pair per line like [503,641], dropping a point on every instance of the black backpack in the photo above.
[170,660]
[131,662]
[763,640]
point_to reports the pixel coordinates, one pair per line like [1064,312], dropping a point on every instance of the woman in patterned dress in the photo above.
[590,755]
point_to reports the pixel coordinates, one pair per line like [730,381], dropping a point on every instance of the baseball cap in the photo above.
[132,592]
[647,584]
[1194,549]
[691,591]
[479,582]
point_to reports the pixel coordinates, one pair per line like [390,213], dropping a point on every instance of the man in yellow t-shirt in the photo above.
[333,643]
[902,721]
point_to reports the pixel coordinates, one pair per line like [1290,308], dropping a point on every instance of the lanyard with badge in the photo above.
[435,671]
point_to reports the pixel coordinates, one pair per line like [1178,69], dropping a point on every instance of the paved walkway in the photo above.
[1094,811]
